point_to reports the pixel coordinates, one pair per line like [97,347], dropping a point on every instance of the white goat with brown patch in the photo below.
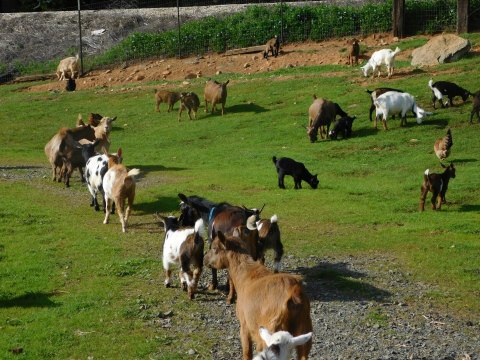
[119,187]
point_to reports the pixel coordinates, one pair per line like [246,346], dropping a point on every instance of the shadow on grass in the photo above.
[441,123]
[160,204]
[244,108]
[459,161]
[21,167]
[29,300]
[469,208]
[363,132]
[335,281]
[145,169]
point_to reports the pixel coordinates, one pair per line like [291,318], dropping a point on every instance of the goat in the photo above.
[76,156]
[102,132]
[284,304]
[219,217]
[269,238]
[354,53]
[342,126]
[71,85]
[189,101]
[184,247]
[475,107]
[288,166]
[442,146]
[68,67]
[437,184]
[273,46]
[378,58]
[280,344]
[393,103]
[376,93]
[93,119]
[215,93]
[168,97]
[95,170]
[119,187]
[448,89]
[68,137]
[321,113]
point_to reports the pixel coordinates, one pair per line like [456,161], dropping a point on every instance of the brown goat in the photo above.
[102,132]
[93,119]
[321,114]
[475,107]
[269,238]
[189,101]
[215,93]
[273,46]
[275,301]
[168,97]
[437,184]
[67,137]
[354,52]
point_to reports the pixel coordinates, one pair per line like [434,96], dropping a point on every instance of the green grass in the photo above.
[70,287]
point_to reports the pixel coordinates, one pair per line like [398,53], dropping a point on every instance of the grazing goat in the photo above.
[168,97]
[189,101]
[284,304]
[273,46]
[354,53]
[442,146]
[119,187]
[321,114]
[67,137]
[102,132]
[287,166]
[76,156]
[437,184]
[95,170]
[376,93]
[68,68]
[448,89]
[381,57]
[280,344]
[393,103]
[184,247]
[215,93]
[342,126]
[219,217]
[476,107]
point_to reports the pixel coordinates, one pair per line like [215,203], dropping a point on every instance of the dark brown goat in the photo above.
[354,52]
[76,156]
[189,101]
[476,107]
[437,184]
[274,301]
[272,46]
[321,114]
[168,97]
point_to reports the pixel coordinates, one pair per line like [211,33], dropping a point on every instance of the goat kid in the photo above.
[273,46]
[168,97]
[381,57]
[184,247]
[448,89]
[119,187]
[342,126]
[288,166]
[284,306]
[437,184]
[393,103]
[95,170]
[189,101]
[269,238]
[280,344]
[74,156]
[354,53]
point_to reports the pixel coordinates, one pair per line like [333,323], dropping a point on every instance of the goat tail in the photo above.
[426,176]
[274,218]
[397,50]
[134,172]
[274,159]
[369,91]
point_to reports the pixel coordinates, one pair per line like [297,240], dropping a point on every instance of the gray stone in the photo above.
[441,49]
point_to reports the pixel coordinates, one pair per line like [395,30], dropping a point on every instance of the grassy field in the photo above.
[71,287]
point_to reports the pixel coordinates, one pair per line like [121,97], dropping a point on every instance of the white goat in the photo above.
[378,58]
[394,103]
[280,344]
[68,66]
[183,246]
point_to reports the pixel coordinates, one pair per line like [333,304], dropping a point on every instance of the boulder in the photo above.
[441,49]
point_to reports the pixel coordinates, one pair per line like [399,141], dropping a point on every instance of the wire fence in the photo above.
[130,30]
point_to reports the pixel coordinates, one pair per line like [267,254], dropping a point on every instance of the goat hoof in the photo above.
[212,287]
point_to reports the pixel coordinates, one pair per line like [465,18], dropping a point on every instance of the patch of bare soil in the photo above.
[209,65]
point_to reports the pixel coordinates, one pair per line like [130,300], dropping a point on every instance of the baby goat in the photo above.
[287,166]
[272,45]
[354,53]
[184,247]
[280,344]
[448,89]
[342,126]
[437,184]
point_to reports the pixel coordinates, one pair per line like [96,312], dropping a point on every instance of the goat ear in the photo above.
[226,82]
[119,152]
[115,118]
[443,166]
[265,335]
[183,198]
[314,97]
[301,339]
[221,237]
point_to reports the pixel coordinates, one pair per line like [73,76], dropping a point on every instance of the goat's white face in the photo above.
[282,342]
[365,69]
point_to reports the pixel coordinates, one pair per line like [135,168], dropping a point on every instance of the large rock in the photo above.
[441,49]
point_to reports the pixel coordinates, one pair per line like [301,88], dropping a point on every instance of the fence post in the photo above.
[462,16]
[178,26]
[398,17]
[80,37]
[281,22]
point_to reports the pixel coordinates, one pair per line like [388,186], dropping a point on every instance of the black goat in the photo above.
[342,126]
[437,184]
[448,89]
[476,107]
[288,166]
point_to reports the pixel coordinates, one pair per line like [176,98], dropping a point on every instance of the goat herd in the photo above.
[237,236]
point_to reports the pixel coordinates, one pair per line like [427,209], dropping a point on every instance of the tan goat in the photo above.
[102,132]
[119,187]
[68,68]
[215,93]
[275,301]
[168,97]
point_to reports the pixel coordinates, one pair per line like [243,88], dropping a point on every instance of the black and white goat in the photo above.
[448,89]
[184,247]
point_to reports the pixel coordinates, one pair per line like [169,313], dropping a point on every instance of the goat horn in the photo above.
[261,209]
